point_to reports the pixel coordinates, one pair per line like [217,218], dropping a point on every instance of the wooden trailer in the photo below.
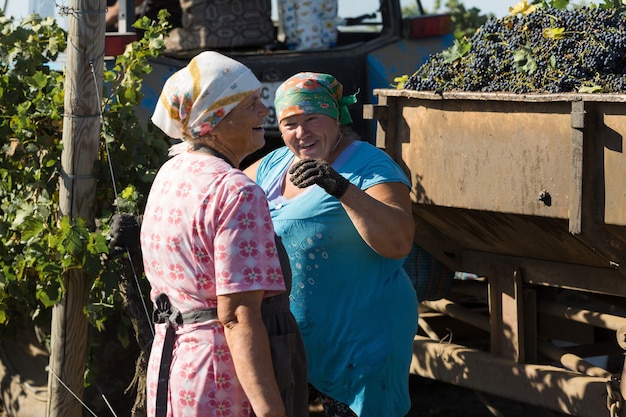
[526,194]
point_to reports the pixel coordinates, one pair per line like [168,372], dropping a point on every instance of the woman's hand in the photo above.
[307,172]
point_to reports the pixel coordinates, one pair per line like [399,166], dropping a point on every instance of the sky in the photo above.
[499,8]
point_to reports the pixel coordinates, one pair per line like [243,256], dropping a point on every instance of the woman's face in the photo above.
[310,135]
[241,130]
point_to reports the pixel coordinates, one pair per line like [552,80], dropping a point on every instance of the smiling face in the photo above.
[241,130]
[310,135]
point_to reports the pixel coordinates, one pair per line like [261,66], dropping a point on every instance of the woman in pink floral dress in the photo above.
[209,251]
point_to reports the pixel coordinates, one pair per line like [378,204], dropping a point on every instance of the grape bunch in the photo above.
[547,51]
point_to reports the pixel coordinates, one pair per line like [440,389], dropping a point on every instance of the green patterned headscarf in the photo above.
[313,93]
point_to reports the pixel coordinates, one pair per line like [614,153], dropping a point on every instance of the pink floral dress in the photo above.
[206,232]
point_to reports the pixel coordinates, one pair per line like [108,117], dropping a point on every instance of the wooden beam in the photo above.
[544,386]
[77,198]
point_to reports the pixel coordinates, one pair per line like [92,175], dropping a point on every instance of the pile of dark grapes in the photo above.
[547,51]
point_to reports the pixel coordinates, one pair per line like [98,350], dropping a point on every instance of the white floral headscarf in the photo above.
[197,97]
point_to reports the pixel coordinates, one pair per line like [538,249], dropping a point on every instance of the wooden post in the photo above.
[81,135]
[508,336]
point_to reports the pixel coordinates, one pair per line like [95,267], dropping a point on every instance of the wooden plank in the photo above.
[549,387]
[530,325]
[506,313]
[554,274]
[488,156]
[576,180]
[495,96]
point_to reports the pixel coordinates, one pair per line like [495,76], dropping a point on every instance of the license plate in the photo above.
[268,92]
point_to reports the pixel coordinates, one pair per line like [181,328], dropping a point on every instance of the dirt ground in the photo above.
[429,398]
[436,399]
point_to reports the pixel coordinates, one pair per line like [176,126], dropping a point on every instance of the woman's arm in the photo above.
[247,339]
[112,14]
[381,214]
[383,217]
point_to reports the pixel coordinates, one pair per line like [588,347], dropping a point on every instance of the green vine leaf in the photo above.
[459,48]
[524,61]
[400,81]
[591,89]
[522,8]
[553,33]
[33,227]
[559,4]
[552,62]
[50,295]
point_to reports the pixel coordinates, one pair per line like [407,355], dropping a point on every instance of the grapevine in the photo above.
[37,246]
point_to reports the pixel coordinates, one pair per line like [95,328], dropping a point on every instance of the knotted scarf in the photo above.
[197,97]
[313,93]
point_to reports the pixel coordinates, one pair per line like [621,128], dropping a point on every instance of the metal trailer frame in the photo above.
[528,194]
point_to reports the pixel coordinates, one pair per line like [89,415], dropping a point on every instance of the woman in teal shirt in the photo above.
[343,211]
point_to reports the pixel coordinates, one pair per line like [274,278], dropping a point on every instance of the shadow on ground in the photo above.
[437,399]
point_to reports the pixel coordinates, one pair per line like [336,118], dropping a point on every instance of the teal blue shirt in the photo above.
[357,310]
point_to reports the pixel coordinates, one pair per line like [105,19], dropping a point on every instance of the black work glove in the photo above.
[307,172]
[124,233]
